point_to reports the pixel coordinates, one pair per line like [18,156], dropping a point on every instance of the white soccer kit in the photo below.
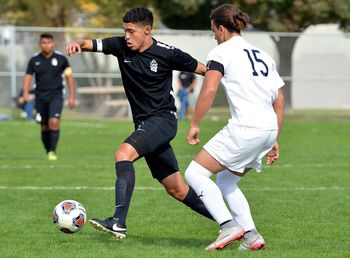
[251,83]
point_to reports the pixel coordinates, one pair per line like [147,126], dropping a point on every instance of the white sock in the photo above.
[227,182]
[198,178]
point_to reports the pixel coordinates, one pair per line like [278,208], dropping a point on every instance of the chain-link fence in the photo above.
[313,64]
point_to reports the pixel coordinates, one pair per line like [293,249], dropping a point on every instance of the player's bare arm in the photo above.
[201,69]
[278,106]
[70,82]
[27,81]
[204,102]
[68,73]
[78,45]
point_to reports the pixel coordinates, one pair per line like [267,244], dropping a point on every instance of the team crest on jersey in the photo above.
[54,62]
[154,65]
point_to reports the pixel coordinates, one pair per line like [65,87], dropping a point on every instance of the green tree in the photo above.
[62,13]
[70,13]
[266,15]
[38,13]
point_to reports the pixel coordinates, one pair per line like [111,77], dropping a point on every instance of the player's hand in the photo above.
[25,97]
[273,154]
[71,103]
[72,48]
[193,135]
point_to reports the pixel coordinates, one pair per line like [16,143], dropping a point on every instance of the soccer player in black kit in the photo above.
[146,67]
[48,67]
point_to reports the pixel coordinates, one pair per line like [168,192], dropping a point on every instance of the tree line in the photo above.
[267,15]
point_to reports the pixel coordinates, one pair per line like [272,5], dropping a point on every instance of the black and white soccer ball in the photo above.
[69,216]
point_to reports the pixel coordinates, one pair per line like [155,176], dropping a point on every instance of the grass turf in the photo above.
[300,205]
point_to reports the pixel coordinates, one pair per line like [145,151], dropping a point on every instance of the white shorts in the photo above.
[238,148]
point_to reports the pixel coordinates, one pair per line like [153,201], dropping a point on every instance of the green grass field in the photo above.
[300,205]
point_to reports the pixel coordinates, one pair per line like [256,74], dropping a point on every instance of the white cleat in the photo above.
[253,243]
[226,236]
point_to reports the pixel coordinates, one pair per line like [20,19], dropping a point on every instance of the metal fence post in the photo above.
[13,71]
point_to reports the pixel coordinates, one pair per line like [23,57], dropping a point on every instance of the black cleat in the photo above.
[110,225]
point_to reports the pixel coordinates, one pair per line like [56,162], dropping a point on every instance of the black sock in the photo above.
[54,135]
[193,201]
[45,138]
[124,187]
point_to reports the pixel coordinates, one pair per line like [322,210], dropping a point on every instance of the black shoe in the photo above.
[110,225]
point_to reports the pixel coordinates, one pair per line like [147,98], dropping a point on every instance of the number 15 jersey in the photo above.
[251,82]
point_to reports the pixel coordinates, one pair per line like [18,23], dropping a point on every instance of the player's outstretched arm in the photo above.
[78,45]
[201,69]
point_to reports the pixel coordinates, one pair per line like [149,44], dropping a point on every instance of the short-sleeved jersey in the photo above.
[251,82]
[48,74]
[147,76]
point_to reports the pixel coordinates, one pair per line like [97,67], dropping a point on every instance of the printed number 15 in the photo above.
[257,59]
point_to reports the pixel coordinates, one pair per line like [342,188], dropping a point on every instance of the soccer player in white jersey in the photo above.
[253,89]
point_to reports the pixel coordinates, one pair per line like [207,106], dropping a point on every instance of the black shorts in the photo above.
[49,108]
[151,139]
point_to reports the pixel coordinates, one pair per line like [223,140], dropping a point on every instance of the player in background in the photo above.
[253,89]
[146,67]
[187,82]
[48,67]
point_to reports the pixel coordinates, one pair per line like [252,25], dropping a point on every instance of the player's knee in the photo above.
[190,172]
[45,128]
[125,152]
[54,124]
[227,182]
[188,175]
[121,155]
[177,192]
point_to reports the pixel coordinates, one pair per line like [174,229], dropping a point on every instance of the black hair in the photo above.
[139,15]
[46,36]
[230,17]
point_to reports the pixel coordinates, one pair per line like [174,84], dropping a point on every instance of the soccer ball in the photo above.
[69,216]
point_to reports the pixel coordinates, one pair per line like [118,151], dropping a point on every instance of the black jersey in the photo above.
[48,74]
[147,76]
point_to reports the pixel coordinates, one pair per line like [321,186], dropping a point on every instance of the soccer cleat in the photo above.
[252,243]
[110,225]
[226,236]
[51,155]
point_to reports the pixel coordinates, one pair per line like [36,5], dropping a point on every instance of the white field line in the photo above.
[111,166]
[146,188]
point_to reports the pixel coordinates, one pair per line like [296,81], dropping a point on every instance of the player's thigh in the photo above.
[162,162]
[152,134]
[262,150]
[42,108]
[209,162]
[235,147]
[126,152]
[55,107]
